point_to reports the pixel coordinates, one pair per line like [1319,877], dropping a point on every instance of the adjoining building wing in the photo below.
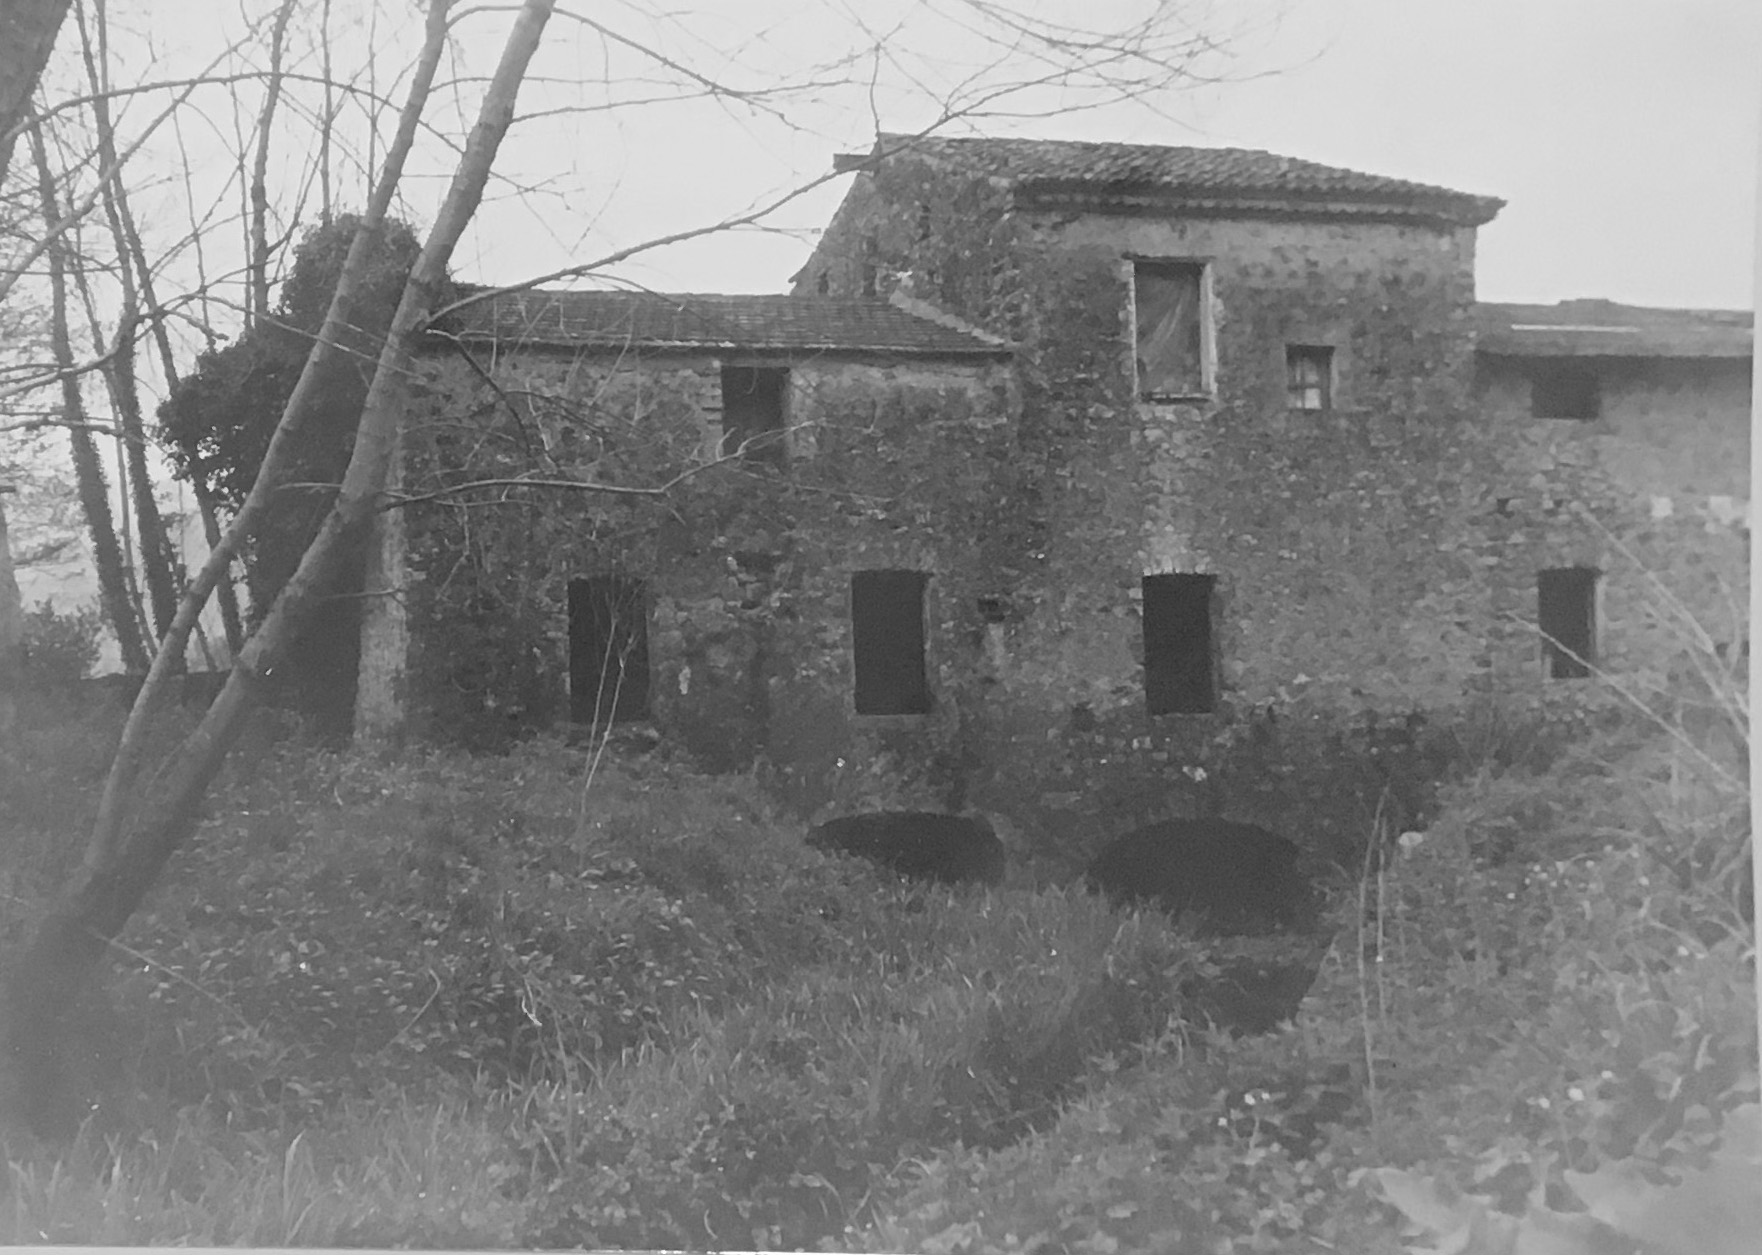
[1598,328]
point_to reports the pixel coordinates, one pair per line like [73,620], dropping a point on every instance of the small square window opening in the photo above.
[1565,390]
[752,412]
[1309,376]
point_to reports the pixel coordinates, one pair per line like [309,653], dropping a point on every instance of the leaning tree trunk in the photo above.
[27,36]
[122,862]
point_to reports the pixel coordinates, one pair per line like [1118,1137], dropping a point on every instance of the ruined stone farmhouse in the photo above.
[1062,461]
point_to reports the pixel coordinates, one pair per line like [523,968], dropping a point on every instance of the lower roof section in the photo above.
[714,322]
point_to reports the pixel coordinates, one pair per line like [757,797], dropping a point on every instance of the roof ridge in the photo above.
[1052,170]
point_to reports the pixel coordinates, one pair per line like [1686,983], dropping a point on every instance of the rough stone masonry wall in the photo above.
[748,566]
[1664,470]
[1352,547]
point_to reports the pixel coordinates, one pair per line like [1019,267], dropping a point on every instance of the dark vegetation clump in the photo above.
[1227,880]
[921,845]
[1235,879]
[217,423]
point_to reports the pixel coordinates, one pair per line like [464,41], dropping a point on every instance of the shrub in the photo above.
[59,649]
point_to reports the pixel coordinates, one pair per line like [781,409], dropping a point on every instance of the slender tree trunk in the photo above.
[11,635]
[27,36]
[329,120]
[121,865]
[257,305]
[119,371]
[135,258]
[88,467]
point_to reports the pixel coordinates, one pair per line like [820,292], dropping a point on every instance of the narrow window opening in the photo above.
[1565,390]
[1180,666]
[887,632]
[925,222]
[871,271]
[1566,612]
[1169,308]
[1309,376]
[752,412]
[825,283]
[608,650]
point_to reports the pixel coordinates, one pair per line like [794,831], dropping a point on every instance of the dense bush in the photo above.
[60,649]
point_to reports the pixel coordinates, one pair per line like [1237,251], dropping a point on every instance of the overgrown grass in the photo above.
[448,1001]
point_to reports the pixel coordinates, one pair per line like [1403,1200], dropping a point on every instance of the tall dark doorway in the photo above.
[608,649]
[887,630]
[1180,668]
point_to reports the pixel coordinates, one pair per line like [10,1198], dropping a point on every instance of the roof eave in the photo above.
[1631,353]
[582,345]
[1471,212]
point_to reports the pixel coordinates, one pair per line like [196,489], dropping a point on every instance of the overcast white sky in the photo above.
[1621,133]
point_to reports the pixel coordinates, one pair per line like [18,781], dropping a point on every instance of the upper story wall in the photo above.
[1391,299]
[1338,533]
[1676,428]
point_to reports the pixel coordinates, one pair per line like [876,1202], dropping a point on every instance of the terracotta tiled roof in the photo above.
[652,320]
[1595,328]
[1222,178]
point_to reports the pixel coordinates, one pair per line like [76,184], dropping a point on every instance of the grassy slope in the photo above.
[443,1001]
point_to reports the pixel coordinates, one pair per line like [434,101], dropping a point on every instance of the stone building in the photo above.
[1073,465]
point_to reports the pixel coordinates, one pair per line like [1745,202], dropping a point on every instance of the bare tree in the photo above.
[257,303]
[113,583]
[119,369]
[123,860]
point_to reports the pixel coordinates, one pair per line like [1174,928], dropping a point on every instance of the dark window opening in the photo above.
[825,283]
[994,609]
[871,271]
[752,412]
[1309,376]
[608,650]
[925,222]
[1565,390]
[1566,612]
[1180,668]
[887,634]
[1168,301]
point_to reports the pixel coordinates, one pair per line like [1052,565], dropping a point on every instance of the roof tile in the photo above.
[1042,168]
[653,320]
[1598,328]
